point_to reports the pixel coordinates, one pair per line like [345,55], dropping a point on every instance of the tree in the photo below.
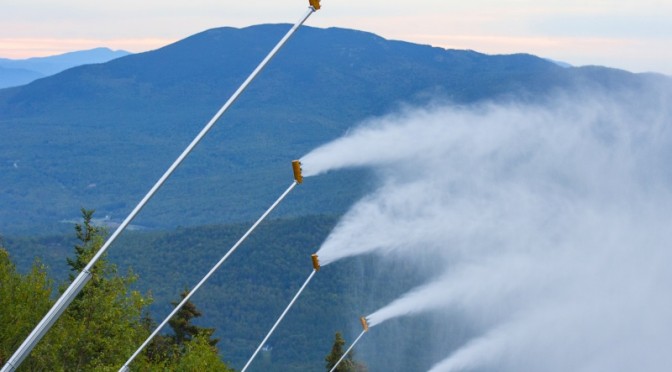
[90,238]
[200,355]
[189,348]
[348,364]
[183,328]
[160,350]
[24,299]
[103,324]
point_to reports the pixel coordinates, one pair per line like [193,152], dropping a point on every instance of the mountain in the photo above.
[10,77]
[15,72]
[100,135]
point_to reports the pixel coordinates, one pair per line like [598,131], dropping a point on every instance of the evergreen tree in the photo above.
[103,325]
[160,350]
[183,328]
[89,237]
[189,348]
[348,364]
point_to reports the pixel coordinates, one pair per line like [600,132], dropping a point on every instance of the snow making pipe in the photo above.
[76,286]
[282,316]
[365,326]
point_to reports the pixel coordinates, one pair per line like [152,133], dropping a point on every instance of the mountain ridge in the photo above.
[16,72]
[100,135]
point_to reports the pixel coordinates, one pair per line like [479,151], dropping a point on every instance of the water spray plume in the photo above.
[396,219]
[316,268]
[429,297]
[378,142]
[463,286]
[543,228]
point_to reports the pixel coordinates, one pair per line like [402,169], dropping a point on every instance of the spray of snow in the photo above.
[550,223]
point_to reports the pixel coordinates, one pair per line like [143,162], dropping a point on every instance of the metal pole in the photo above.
[279,320]
[347,351]
[205,278]
[76,286]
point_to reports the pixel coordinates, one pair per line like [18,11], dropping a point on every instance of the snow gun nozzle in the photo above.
[296,166]
[316,262]
[365,324]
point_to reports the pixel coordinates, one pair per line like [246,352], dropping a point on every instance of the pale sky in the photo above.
[634,35]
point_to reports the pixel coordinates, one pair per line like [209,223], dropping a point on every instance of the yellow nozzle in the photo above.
[316,262]
[315,4]
[296,166]
[365,324]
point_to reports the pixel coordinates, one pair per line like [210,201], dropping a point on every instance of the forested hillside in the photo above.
[244,298]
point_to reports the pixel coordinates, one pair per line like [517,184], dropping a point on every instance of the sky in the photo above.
[634,35]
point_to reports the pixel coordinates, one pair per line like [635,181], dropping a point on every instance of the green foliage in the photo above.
[245,296]
[173,348]
[103,325]
[24,299]
[336,352]
[200,355]
[184,330]
[348,364]
[90,238]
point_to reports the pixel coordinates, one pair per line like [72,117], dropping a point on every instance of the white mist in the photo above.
[552,224]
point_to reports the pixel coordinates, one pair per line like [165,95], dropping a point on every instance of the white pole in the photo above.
[76,286]
[347,351]
[205,278]
[268,335]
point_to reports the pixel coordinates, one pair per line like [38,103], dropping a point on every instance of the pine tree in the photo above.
[182,327]
[189,348]
[103,324]
[160,350]
[348,364]
[89,237]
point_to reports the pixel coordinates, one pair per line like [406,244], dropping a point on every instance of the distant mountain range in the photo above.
[100,135]
[15,72]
